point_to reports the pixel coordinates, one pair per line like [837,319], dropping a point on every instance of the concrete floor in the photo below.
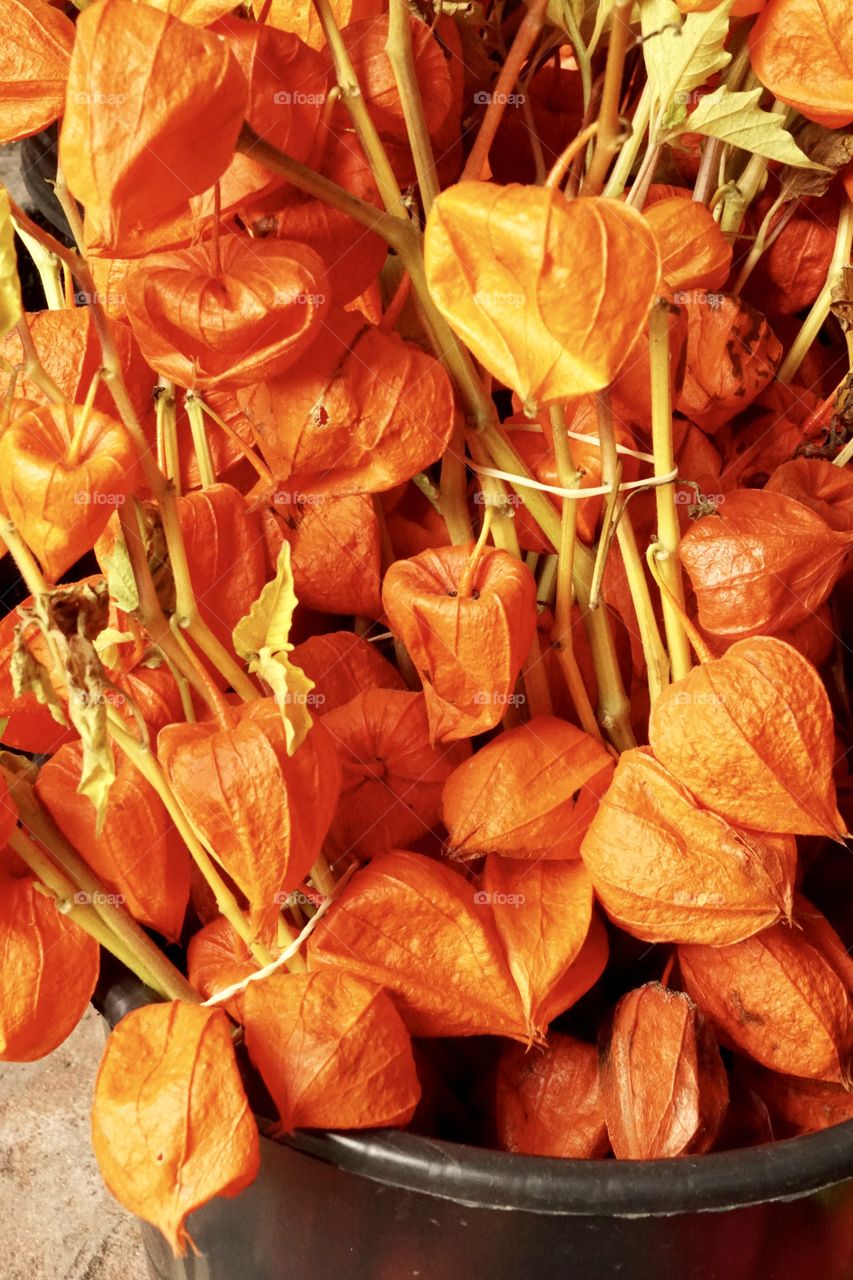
[58,1220]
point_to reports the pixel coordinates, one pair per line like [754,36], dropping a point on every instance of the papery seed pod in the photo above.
[548,1101]
[814,637]
[34,60]
[217,958]
[820,485]
[631,391]
[63,471]
[332,1050]
[731,355]
[469,648]
[415,927]
[763,562]
[133,149]
[796,1105]
[264,813]
[792,269]
[391,776]
[70,352]
[335,549]
[777,999]
[287,118]
[751,453]
[819,933]
[171,1125]
[663,1082]
[694,252]
[529,793]
[342,665]
[152,693]
[750,734]
[501,267]
[797,51]
[543,914]
[331,424]
[554,94]
[248,315]
[27,724]
[668,871]
[136,852]
[414,524]
[48,972]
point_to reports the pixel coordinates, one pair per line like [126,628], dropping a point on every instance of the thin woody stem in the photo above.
[472,564]
[398,47]
[656,556]
[609,138]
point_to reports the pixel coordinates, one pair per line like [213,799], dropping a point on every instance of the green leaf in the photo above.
[262,639]
[119,574]
[107,644]
[680,56]
[737,119]
[11,306]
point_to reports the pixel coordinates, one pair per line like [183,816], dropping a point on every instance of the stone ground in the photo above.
[58,1220]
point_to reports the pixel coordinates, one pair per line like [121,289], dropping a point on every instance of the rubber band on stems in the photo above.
[576,495]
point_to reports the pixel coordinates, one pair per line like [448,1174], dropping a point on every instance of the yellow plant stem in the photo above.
[657,662]
[564,160]
[453,487]
[656,557]
[562,634]
[34,371]
[398,47]
[609,137]
[48,267]
[247,451]
[820,310]
[668,531]
[201,444]
[466,581]
[148,766]
[166,412]
[69,901]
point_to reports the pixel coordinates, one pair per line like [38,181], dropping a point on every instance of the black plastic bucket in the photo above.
[387,1205]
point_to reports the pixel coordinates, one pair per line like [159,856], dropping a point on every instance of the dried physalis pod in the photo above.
[134,145]
[263,812]
[548,1102]
[226,317]
[663,1081]
[820,485]
[549,294]
[694,252]
[136,852]
[171,1125]
[218,958]
[796,1105]
[529,793]
[798,50]
[793,268]
[292,15]
[331,424]
[751,735]
[730,357]
[341,665]
[48,972]
[415,927]
[391,775]
[467,633]
[63,470]
[778,999]
[761,563]
[332,1050]
[581,975]
[34,60]
[666,870]
[543,913]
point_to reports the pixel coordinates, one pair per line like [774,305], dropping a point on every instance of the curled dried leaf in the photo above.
[171,1124]
[529,793]
[751,735]
[548,1101]
[333,1051]
[414,927]
[667,870]
[663,1080]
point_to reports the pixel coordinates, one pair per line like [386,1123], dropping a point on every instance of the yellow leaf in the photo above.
[680,56]
[262,639]
[11,307]
[737,119]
